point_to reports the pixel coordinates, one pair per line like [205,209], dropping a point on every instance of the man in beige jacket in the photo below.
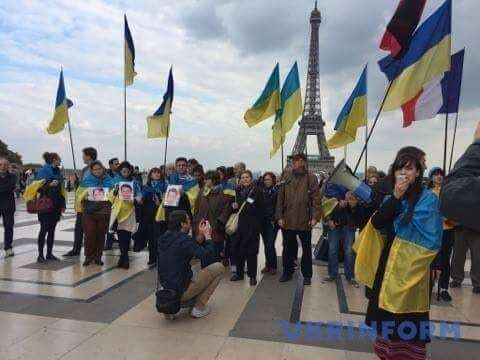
[298,211]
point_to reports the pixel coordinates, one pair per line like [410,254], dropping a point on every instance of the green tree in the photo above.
[13,157]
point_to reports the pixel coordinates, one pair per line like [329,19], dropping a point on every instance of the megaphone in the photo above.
[342,175]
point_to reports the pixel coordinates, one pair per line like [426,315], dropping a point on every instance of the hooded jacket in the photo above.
[175,251]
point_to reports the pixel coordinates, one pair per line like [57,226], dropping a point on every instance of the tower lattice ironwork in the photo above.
[312,123]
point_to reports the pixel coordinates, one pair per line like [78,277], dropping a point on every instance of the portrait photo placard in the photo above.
[172,195]
[125,191]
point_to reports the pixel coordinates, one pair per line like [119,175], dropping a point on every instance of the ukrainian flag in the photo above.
[406,282]
[427,58]
[292,108]
[129,53]
[62,104]
[352,116]
[268,103]
[159,123]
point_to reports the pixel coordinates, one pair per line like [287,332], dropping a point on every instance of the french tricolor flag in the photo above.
[439,96]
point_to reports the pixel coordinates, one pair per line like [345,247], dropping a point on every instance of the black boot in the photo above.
[40,259]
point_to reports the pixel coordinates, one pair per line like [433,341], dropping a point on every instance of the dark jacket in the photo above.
[270,202]
[460,196]
[175,251]
[253,210]
[55,194]
[7,187]
[383,220]
[216,208]
[298,201]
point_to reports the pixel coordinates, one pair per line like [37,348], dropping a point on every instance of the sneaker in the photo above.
[72,252]
[476,290]
[445,296]
[455,284]
[197,313]
[236,277]
[40,259]
[328,279]
[307,281]
[354,283]
[253,281]
[9,253]
[285,278]
[52,257]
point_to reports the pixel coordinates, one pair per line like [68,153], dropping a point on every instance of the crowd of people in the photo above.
[403,237]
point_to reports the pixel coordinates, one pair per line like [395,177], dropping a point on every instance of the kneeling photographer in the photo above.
[175,251]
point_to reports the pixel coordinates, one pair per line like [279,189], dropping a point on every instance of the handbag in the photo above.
[231,226]
[40,206]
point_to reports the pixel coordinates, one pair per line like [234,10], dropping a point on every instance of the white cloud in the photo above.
[222,53]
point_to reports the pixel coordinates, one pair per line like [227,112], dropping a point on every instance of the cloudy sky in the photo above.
[222,52]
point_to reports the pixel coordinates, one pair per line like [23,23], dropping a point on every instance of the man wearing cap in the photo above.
[298,211]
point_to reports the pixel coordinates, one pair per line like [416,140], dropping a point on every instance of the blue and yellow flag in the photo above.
[129,53]
[352,116]
[427,58]
[62,104]
[292,108]
[159,123]
[405,285]
[268,103]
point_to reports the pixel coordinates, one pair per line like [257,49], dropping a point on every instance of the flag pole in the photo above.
[373,127]
[166,148]
[453,142]
[124,109]
[366,147]
[71,146]
[445,144]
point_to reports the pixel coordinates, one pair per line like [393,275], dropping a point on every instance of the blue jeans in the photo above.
[346,235]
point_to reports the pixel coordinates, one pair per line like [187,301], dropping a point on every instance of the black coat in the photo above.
[270,202]
[175,251]
[383,220]
[460,195]
[7,188]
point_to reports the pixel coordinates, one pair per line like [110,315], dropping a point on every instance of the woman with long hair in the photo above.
[96,212]
[123,210]
[152,195]
[212,205]
[245,242]
[269,227]
[52,186]
[406,233]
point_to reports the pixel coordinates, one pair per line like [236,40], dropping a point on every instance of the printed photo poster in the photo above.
[97,194]
[172,196]
[125,191]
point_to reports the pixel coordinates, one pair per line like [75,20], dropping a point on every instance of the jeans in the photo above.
[8,222]
[346,235]
[269,233]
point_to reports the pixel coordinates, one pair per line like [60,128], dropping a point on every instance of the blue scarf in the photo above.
[187,181]
[137,189]
[48,172]
[93,181]
[154,187]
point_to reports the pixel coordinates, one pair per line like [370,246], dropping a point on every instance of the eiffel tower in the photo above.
[312,122]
